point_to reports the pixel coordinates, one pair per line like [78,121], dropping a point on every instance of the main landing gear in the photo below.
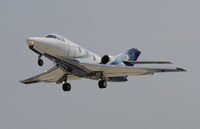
[40,61]
[102,84]
[66,86]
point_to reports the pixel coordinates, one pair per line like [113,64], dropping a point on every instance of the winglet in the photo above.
[21,81]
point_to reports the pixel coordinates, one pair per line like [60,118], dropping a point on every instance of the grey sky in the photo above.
[162,30]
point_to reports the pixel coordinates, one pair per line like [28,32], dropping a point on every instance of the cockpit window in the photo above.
[51,36]
[62,39]
[56,37]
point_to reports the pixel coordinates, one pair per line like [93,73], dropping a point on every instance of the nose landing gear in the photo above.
[40,62]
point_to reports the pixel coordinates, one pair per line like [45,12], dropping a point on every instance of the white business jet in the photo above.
[74,62]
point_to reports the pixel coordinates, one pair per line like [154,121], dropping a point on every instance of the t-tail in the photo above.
[130,55]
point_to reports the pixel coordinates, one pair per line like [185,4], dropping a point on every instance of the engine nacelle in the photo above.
[107,59]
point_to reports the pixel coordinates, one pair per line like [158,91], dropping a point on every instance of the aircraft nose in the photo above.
[31,41]
[36,41]
[40,43]
[48,45]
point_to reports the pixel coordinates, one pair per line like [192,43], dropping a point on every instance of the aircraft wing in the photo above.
[115,71]
[55,74]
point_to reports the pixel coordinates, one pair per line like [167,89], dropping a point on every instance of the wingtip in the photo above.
[165,62]
[181,69]
[22,81]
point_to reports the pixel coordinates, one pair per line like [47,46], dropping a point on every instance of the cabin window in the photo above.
[62,39]
[79,49]
[94,57]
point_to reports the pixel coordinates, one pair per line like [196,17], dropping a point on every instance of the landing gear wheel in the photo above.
[66,87]
[40,62]
[102,84]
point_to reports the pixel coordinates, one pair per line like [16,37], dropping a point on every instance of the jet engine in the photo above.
[106,59]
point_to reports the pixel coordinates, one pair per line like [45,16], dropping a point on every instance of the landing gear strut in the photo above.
[102,84]
[40,61]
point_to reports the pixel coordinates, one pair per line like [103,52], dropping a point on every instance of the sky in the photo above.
[166,30]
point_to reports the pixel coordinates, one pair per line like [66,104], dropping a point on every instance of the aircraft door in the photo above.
[78,52]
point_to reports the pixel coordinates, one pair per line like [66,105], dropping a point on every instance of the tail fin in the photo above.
[130,55]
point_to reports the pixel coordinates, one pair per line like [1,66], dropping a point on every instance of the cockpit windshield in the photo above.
[51,36]
[55,37]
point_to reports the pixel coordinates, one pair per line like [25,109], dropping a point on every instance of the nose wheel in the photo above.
[66,87]
[102,84]
[40,62]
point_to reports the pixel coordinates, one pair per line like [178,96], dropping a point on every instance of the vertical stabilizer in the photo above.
[130,55]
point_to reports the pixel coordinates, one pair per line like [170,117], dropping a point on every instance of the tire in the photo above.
[66,87]
[102,84]
[40,62]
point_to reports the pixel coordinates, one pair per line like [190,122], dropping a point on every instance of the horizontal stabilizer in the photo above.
[147,62]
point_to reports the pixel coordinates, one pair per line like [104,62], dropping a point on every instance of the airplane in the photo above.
[74,62]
